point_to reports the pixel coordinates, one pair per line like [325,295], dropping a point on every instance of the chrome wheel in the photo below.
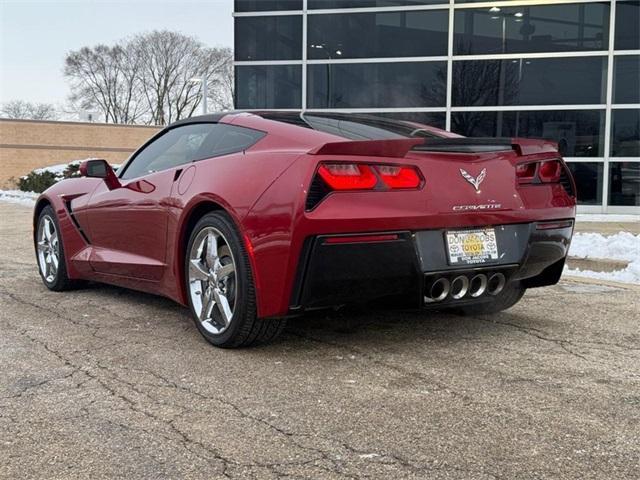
[48,249]
[212,280]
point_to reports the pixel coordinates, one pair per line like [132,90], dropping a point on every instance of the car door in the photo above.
[128,225]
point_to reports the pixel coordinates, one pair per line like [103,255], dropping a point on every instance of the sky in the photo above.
[35,35]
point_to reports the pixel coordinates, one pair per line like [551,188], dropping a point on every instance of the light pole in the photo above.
[203,91]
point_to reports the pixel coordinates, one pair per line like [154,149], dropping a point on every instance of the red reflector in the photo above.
[526,171]
[553,225]
[347,176]
[550,171]
[398,177]
[361,238]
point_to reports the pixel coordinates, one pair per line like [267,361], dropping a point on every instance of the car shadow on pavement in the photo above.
[362,324]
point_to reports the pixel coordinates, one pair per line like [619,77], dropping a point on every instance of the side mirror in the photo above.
[98,168]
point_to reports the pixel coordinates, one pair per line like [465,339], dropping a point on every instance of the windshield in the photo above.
[353,126]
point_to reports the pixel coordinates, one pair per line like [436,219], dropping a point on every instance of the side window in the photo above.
[189,143]
[176,147]
[225,139]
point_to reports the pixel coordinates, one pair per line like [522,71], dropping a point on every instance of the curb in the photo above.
[596,264]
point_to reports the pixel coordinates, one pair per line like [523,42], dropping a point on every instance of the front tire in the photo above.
[50,252]
[220,287]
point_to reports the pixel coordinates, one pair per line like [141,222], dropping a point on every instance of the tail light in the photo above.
[546,171]
[398,177]
[346,176]
[549,171]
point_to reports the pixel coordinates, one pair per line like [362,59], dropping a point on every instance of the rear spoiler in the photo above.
[399,148]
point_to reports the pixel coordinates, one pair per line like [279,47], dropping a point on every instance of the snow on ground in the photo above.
[621,246]
[16,196]
[58,169]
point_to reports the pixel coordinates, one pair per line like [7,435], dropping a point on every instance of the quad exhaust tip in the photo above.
[459,287]
[478,285]
[496,283]
[464,286]
[439,290]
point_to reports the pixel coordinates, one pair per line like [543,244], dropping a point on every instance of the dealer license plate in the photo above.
[470,247]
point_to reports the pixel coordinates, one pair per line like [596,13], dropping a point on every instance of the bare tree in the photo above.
[106,78]
[20,109]
[147,79]
[221,83]
[168,62]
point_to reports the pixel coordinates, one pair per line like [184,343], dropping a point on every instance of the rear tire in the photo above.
[220,288]
[50,253]
[511,295]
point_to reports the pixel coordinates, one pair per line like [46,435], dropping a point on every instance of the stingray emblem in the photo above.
[474,181]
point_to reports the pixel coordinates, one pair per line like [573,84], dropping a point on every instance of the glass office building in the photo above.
[563,70]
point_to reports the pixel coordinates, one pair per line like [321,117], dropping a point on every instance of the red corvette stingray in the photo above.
[249,218]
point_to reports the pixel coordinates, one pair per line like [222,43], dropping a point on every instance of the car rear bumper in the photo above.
[340,269]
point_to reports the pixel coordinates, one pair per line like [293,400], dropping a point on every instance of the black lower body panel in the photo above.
[339,269]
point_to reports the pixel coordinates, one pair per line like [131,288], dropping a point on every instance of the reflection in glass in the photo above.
[268,38]
[385,34]
[624,183]
[625,134]
[579,133]
[432,119]
[315,4]
[626,79]
[588,177]
[627,34]
[530,81]
[538,28]
[377,85]
[268,86]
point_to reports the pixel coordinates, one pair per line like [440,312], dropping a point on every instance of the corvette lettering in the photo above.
[486,206]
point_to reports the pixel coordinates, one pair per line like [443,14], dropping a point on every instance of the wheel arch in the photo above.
[41,204]
[188,223]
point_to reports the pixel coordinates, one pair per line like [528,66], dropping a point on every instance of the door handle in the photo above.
[176,175]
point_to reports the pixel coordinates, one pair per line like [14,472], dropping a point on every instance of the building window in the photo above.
[625,133]
[538,28]
[382,34]
[266,5]
[529,81]
[627,34]
[268,86]
[579,133]
[626,79]
[624,183]
[410,84]
[588,177]
[268,38]
[316,4]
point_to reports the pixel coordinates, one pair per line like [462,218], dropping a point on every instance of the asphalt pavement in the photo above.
[108,383]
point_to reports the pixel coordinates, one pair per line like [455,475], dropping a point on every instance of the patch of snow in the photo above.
[621,246]
[607,217]
[58,169]
[369,455]
[17,196]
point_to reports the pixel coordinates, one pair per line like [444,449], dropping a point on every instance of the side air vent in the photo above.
[566,182]
[317,191]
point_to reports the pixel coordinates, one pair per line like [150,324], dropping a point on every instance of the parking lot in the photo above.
[109,383]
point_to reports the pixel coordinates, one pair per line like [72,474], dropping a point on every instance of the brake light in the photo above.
[526,171]
[546,171]
[398,177]
[348,176]
[549,171]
